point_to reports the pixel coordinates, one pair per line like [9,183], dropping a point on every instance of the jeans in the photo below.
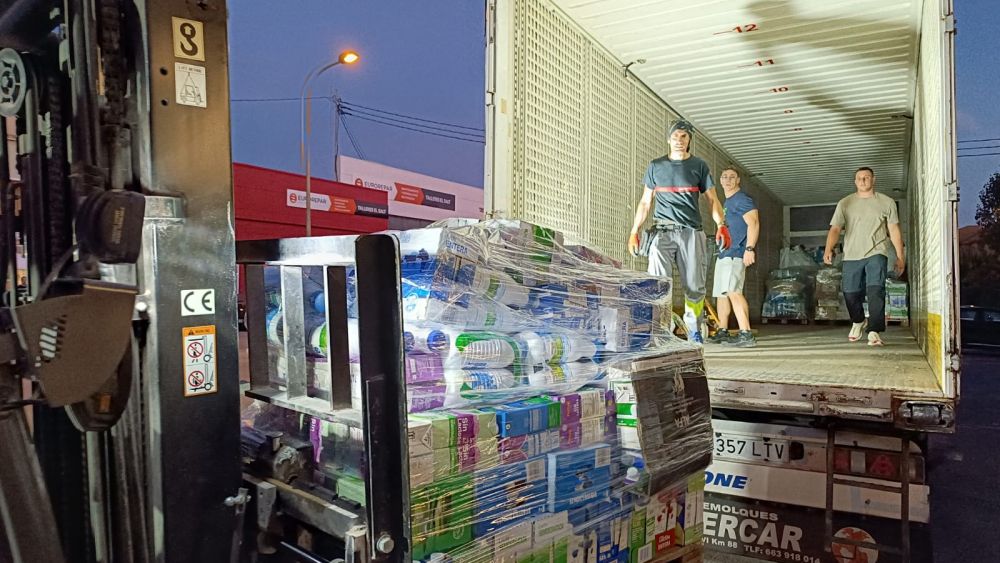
[866,278]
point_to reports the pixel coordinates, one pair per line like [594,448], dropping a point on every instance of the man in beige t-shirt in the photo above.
[871,224]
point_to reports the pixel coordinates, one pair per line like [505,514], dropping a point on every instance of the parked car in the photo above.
[980,325]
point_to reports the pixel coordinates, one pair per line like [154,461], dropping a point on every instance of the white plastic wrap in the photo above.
[553,415]
[526,453]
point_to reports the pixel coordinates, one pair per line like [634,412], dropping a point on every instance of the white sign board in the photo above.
[189,85]
[413,195]
[196,302]
[297,198]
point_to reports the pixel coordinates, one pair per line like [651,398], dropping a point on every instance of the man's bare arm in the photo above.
[642,210]
[896,236]
[752,219]
[831,241]
[718,214]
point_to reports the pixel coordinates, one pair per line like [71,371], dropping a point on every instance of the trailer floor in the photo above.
[821,355]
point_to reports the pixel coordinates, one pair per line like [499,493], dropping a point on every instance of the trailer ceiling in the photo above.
[801,92]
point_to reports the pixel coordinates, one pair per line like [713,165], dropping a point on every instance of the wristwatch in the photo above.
[751,249]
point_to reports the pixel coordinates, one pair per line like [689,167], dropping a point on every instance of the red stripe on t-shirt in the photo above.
[676,189]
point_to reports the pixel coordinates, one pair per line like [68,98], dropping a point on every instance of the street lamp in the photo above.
[305,109]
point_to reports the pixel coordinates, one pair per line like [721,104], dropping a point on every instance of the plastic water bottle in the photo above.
[479,379]
[318,338]
[425,340]
[483,350]
[573,374]
[500,288]
[576,372]
[274,326]
[557,348]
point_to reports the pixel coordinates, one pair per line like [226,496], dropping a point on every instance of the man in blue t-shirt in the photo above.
[676,183]
[730,267]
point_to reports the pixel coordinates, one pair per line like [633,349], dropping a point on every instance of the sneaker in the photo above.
[696,338]
[721,336]
[745,339]
[874,339]
[857,329]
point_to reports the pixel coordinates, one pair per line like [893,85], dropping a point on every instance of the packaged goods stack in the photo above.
[896,303]
[534,467]
[790,287]
[552,417]
[789,294]
[830,305]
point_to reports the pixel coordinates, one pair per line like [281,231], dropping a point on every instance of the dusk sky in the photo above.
[978,68]
[425,59]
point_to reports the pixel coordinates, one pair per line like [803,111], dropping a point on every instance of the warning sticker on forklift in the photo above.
[199,360]
[189,83]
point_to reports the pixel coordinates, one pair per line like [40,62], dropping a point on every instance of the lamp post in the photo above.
[305,109]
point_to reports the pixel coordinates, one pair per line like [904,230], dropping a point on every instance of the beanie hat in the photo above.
[681,125]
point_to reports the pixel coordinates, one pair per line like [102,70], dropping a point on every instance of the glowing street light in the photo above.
[305,109]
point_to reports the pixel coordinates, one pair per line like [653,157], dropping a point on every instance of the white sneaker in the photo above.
[857,329]
[874,339]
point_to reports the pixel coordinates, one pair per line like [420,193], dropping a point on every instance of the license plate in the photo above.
[751,449]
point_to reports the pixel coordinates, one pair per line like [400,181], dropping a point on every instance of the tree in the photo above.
[988,211]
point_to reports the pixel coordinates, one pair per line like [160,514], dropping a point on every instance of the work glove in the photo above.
[633,244]
[722,237]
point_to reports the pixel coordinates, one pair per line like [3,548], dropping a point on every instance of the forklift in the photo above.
[120,394]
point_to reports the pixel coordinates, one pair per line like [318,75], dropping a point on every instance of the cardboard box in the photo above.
[423,397]
[584,433]
[509,494]
[423,368]
[521,418]
[442,514]
[522,448]
[548,532]
[620,331]
[672,412]
[672,518]
[441,430]
[553,410]
[512,543]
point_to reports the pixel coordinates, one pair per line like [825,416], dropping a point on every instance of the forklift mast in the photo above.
[124,179]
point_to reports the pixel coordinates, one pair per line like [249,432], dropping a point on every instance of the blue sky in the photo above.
[425,59]
[416,60]
[978,68]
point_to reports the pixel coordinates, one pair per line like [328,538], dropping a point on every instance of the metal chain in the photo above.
[59,232]
[109,39]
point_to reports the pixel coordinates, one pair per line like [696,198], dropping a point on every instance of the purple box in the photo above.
[611,428]
[473,425]
[521,448]
[570,435]
[422,398]
[610,406]
[571,408]
[424,368]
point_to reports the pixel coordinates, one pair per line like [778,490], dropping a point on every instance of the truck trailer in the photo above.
[796,95]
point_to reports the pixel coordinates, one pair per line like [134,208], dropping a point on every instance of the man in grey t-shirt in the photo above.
[871,224]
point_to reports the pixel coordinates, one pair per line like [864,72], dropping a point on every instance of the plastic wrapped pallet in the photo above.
[521,458]
[896,304]
[789,293]
[515,346]
[830,304]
